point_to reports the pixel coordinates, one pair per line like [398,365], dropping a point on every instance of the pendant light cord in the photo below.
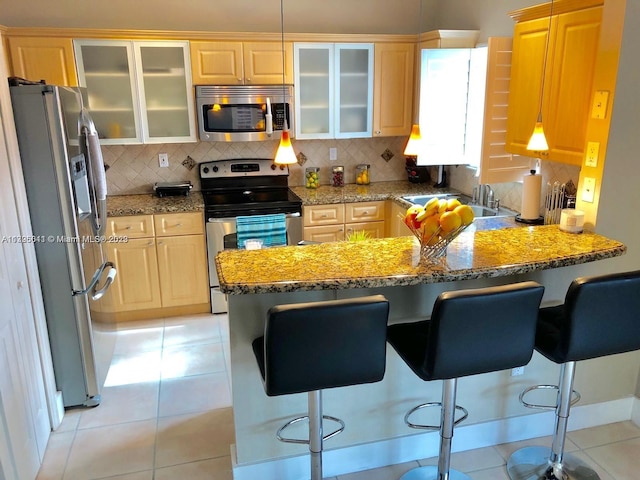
[544,64]
[282,45]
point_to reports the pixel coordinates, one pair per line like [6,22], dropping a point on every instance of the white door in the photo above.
[24,422]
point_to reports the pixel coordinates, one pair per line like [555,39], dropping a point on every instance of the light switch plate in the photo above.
[333,153]
[588,189]
[163,160]
[592,154]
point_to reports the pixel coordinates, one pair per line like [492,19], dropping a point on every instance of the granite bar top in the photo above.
[389,262]
[148,204]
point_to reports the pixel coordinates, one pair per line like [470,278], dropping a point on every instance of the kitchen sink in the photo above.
[480,211]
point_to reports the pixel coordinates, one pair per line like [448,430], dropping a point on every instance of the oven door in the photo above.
[221,235]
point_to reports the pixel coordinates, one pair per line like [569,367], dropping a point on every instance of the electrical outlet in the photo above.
[163,160]
[588,189]
[599,107]
[333,153]
[592,154]
[517,371]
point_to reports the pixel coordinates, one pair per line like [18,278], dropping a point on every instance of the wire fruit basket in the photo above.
[435,245]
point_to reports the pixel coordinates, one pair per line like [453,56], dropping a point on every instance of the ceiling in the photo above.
[300,16]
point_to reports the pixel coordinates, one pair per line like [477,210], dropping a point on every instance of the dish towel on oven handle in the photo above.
[271,229]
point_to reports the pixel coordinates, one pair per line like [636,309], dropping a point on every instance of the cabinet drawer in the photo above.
[324,214]
[133,226]
[324,233]
[179,224]
[364,212]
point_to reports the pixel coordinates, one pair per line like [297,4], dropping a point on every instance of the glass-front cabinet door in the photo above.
[354,90]
[334,90]
[139,92]
[313,85]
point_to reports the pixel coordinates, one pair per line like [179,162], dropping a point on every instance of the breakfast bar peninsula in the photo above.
[375,433]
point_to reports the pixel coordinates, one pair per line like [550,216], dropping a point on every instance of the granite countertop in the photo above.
[351,192]
[148,204]
[391,262]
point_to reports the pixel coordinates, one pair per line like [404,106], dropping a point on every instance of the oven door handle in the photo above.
[233,219]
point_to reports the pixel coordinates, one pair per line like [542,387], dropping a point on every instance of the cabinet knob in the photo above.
[150,244]
[378,132]
[128,227]
[160,242]
[248,80]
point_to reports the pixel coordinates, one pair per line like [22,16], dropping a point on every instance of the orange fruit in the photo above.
[449,221]
[429,226]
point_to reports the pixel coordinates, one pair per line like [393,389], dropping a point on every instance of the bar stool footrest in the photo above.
[431,473]
[575,400]
[534,463]
[428,405]
[306,441]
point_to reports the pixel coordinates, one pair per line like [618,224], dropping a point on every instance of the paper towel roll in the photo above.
[531,186]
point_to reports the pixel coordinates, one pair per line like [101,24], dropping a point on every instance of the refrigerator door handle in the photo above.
[96,293]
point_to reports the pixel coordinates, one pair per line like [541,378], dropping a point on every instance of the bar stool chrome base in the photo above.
[533,463]
[431,473]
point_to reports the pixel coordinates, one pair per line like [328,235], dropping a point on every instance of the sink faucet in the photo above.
[483,195]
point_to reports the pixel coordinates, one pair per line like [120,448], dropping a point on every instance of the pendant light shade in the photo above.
[415,141]
[285,154]
[538,141]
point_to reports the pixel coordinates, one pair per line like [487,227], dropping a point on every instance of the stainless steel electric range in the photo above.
[246,186]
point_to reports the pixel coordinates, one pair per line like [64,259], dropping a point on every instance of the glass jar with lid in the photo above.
[312,177]
[337,176]
[362,174]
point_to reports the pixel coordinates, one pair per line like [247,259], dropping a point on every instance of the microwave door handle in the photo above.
[268,119]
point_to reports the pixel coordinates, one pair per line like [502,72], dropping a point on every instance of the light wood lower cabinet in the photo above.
[331,223]
[162,268]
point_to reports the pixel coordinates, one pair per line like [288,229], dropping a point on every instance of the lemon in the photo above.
[449,221]
[466,214]
[452,203]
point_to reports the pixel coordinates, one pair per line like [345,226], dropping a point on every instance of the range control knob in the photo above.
[273,166]
[215,169]
[205,170]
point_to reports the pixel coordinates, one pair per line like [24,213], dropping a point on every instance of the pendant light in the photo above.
[414,144]
[285,154]
[538,141]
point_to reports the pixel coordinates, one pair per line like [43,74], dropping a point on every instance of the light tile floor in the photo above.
[166,415]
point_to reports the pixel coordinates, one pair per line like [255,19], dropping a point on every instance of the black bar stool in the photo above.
[308,347]
[600,317]
[470,332]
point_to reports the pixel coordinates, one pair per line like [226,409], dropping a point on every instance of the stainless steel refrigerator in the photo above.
[66,190]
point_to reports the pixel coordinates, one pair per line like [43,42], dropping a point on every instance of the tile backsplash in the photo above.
[134,168]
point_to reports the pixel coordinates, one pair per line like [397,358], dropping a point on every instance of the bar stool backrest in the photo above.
[601,317]
[318,345]
[482,330]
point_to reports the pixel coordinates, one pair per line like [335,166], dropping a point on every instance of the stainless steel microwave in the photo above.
[230,113]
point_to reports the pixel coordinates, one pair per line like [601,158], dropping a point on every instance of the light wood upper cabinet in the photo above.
[568,82]
[240,63]
[43,58]
[393,83]
[139,91]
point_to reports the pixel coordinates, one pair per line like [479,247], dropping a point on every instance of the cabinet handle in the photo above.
[324,215]
[128,227]
[150,243]
[248,80]
[365,213]
[160,242]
